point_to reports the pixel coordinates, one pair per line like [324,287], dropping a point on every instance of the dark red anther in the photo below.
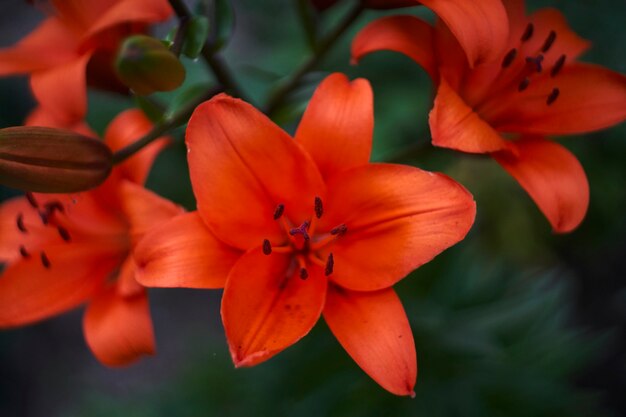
[304,274]
[553,96]
[31,200]
[53,206]
[44,260]
[330,264]
[65,235]
[339,230]
[509,58]
[280,209]
[267,247]
[528,32]
[44,217]
[319,207]
[558,65]
[523,85]
[536,61]
[24,252]
[549,42]
[303,230]
[20,223]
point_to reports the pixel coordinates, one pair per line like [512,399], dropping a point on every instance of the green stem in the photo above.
[166,125]
[218,66]
[277,99]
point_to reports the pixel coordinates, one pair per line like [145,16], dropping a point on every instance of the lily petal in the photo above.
[135,11]
[455,125]
[118,329]
[481,27]
[30,292]
[338,124]
[126,128]
[145,209]
[62,90]
[408,35]
[553,178]
[242,166]
[590,98]
[183,252]
[40,117]
[397,217]
[373,328]
[50,44]
[267,307]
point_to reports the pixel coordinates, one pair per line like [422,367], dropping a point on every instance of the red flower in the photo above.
[64,250]
[535,88]
[78,33]
[298,228]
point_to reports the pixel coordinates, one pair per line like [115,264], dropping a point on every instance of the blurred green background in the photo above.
[513,321]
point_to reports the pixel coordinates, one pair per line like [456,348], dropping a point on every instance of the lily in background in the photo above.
[506,107]
[296,229]
[75,46]
[62,250]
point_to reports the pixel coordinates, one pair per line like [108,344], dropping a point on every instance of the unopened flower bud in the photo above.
[146,65]
[48,160]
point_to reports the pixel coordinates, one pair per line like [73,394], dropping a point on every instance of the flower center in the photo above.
[518,68]
[304,243]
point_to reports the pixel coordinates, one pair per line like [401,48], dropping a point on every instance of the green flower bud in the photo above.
[146,65]
[47,160]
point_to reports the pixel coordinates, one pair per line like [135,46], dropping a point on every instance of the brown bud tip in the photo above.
[146,65]
[47,160]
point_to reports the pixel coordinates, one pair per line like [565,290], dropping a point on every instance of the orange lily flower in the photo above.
[481,27]
[64,250]
[77,43]
[536,88]
[294,229]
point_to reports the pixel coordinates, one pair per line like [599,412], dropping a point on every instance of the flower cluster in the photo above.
[291,228]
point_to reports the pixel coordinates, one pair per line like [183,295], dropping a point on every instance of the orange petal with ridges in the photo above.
[397,217]
[183,253]
[554,179]
[455,125]
[590,98]
[481,27]
[408,35]
[338,124]
[118,330]
[242,166]
[373,328]
[133,11]
[267,307]
[62,90]
[30,292]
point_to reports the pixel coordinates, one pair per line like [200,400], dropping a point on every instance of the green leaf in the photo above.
[196,36]
[185,96]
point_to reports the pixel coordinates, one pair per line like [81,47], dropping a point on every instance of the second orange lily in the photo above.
[296,229]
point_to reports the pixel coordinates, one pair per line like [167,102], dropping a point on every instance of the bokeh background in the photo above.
[513,321]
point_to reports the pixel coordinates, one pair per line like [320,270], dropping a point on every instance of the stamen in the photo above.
[44,260]
[65,235]
[20,223]
[267,247]
[53,206]
[536,61]
[44,217]
[330,263]
[528,33]
[31,200]
[558,65]
[319,207]
[553,96]
[24,252]
[280,209]
[301,230]
[509,58]
[304,274]
[549,41]
[339,230]
[523,85]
